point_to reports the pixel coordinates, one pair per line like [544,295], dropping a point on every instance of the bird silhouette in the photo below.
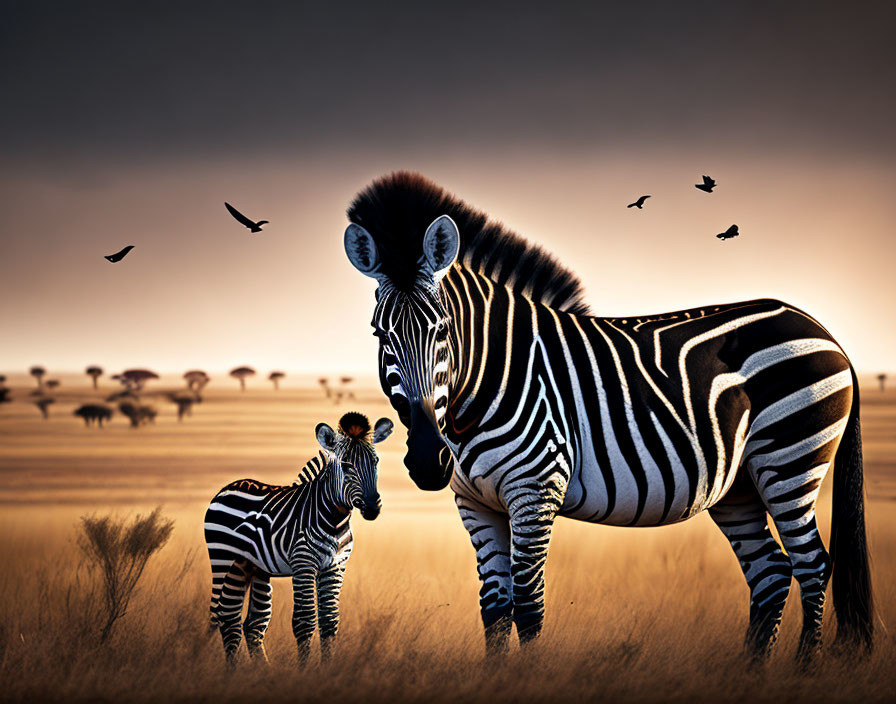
[243,220]
[638,203]
[118,256]
[729,233]
[707,185]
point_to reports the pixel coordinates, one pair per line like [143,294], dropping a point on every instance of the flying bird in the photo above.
[707,185]
[729,233]
[118,256]
[638,203]
[243,220]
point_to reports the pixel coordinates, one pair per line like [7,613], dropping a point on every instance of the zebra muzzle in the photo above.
[369,508]
[427,458]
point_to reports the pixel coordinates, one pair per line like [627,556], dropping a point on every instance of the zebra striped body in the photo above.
[614,404]
[548,411]
[256,531]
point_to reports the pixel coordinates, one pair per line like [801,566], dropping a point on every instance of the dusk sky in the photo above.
[132,123]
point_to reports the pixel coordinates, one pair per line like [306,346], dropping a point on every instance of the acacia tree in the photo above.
[241,373]
[882,380]
[4,390]
[184,403]
[38,373]
[43,405]
[52,384]
[94,373]
[324,382]
[196,380]
[135,379]
[275,377]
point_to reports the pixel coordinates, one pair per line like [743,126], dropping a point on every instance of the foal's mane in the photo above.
[396,210]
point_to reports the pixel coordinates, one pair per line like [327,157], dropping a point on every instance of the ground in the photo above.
[633,614]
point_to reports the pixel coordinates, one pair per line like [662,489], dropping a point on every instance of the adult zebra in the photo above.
[256,531]
[533,409]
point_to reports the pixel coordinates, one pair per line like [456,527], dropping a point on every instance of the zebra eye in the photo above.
[441,331]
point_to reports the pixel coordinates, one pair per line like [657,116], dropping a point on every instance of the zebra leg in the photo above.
[791,502]
[490,533]
[259,615]
[532,514]
[741,516]
[230,608]
[303,614]
[329,584]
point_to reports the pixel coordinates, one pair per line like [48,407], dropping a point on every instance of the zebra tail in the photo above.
[853,601]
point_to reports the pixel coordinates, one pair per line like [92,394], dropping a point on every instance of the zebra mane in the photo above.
[312,469]
[396,210]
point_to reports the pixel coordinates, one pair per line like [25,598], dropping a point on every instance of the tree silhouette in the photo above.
[52,384]
[184,403]
[38,373]
[346,380]
[43,405]
[196,380]
[135,379]
[137,414]
[324,382]
[94,373]
[91,412]
[882,380]
[4,390]
[275,377]
[241,373]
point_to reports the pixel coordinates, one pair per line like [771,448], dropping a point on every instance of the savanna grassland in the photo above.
[632,614]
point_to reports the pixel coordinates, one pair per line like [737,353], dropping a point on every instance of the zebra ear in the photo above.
[326,436]
[441,244]
[382,430]
[361,250]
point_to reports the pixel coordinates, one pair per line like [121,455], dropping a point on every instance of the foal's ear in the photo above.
[361,250]
[326,436]
[382,430]
[441,244]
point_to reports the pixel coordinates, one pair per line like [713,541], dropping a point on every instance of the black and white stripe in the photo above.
[256,531]
[533,409]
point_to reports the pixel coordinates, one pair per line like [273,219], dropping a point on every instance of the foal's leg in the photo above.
[329,584]
[259,615]
[230,608]
[742,518]
[304,618]
[490,533]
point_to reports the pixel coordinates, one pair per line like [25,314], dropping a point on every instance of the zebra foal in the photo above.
[256,531]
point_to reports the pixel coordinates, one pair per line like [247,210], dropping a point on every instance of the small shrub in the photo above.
[118,551]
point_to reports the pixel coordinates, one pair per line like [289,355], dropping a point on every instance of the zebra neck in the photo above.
[487,320]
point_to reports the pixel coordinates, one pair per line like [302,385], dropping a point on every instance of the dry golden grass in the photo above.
[633,614]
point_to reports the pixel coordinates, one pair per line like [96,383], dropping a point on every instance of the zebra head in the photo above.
[412,325]
[352,447]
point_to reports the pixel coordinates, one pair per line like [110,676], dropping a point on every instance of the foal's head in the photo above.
[351,445]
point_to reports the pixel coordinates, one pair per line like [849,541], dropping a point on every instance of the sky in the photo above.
[132,123]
